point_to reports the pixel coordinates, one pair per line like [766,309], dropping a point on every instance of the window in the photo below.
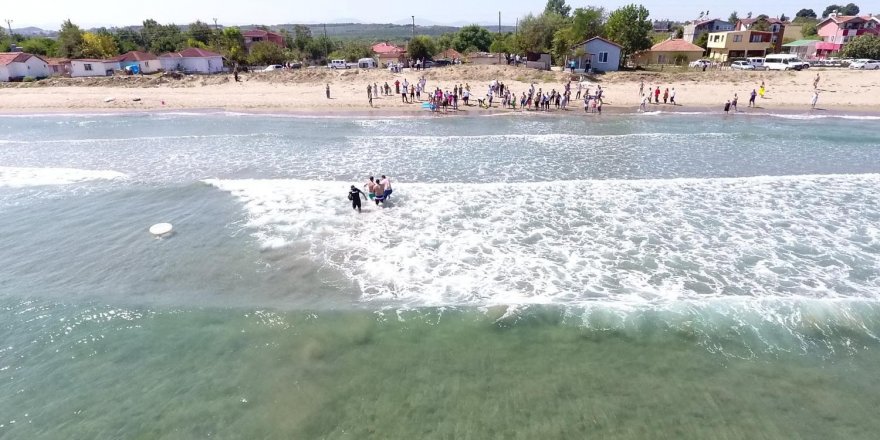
[146,64]
[603,57]
[756,39]
[737,38]
[88,67]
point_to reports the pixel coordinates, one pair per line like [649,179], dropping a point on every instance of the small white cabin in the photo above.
[192,60]
[15,66]
[92,67]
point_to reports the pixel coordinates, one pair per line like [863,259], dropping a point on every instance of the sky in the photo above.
[48,14]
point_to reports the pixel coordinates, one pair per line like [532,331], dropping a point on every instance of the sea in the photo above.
[682,276]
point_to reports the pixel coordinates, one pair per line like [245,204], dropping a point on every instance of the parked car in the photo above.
[440,63]
[757,63]
[699,64]
[742,65]
[865,64]
[273,67]
[338,64]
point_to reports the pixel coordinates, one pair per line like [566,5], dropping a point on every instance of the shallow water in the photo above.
[682,276]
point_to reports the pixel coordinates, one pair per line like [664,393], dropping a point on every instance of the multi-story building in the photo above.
[725,46]
[256,35]
[692,31]
[776,29]
[838,30]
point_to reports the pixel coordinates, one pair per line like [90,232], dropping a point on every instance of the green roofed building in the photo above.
[804,49]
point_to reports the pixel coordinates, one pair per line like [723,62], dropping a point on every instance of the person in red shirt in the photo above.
[657,95]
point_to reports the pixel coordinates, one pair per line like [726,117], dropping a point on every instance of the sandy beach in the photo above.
[841,90]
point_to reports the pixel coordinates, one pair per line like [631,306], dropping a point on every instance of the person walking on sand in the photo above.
[657,95]
[816,82]
[672,97]
[815,99]
[762,90]
[370,94]
[733,103]
[328,91]
[643,107]
[727,107]
[642,88]
[665,95]
[752,98]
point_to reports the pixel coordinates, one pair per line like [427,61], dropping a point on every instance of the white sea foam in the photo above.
[16,177]
[574,242]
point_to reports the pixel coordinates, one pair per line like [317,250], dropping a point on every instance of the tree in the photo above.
[536,33]
[39,46]
[809,30]
[850,9]
[266,52]
[355,50]
[557,7]
[99,46]
[127,40]
[629,27]
[472,36]
[231,45]
[733,18]
[200,32]
[783,17]
[501,44]
[302,37]
[679,31]
[5,40]
[422,46]
[587,23]
[70,40]
[808,13]
[865,46]
[703,41]
[445,41]
[762,23]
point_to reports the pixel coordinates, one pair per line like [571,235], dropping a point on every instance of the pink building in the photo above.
[837,30]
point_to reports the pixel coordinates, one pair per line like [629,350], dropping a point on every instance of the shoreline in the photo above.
[653,110]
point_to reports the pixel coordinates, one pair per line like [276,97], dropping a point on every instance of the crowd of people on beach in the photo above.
[378,190]
[497,95]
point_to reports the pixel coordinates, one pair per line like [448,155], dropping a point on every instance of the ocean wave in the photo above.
[19,177]
[573,242]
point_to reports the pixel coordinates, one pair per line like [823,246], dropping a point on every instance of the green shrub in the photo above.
[28,79]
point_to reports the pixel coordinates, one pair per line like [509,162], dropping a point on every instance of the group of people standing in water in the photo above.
[378,190]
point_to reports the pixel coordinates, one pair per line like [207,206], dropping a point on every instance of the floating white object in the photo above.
[160,229]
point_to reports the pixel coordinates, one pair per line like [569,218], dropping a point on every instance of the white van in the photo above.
[338,64]
[783,62]
[757,63]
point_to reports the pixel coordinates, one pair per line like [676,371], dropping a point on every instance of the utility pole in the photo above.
[9,25]
[499,34]
[413,28]
[325,42]
[215,23]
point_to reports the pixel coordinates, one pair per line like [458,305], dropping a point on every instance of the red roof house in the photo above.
[256,35]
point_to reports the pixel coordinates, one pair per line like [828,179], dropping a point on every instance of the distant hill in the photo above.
[34,31]
[378,32]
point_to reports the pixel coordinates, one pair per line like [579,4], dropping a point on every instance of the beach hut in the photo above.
[192,60]
[92,67]
[15,66]
[139,62]
[673,51]
[599,54]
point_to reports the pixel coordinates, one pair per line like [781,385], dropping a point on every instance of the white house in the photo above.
[192,60]
[91,67]
[600,54]
[145,62]
[15,66]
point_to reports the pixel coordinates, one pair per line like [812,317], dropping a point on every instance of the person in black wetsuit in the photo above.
[354,194]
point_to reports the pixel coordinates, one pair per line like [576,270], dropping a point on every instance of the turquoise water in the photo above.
[686,276]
